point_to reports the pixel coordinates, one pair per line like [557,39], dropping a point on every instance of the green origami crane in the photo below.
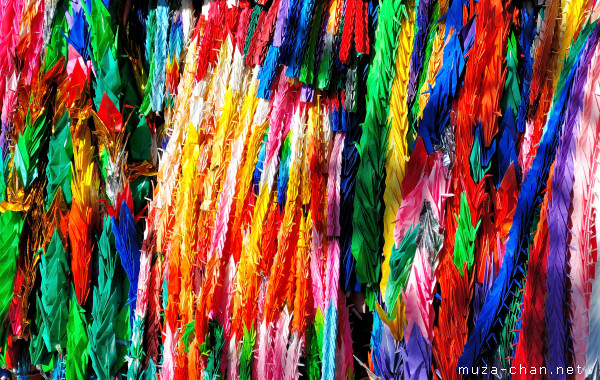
[400,265]
[77,343]
[53,300]
[101,32]
[11,226]
[58,46]
[4,172]
[213,363]
[107,297]
[247,353]
[464,245]
[29,146]
[60,154]
[512,92]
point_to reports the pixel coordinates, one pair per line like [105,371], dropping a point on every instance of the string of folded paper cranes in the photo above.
[208,190]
